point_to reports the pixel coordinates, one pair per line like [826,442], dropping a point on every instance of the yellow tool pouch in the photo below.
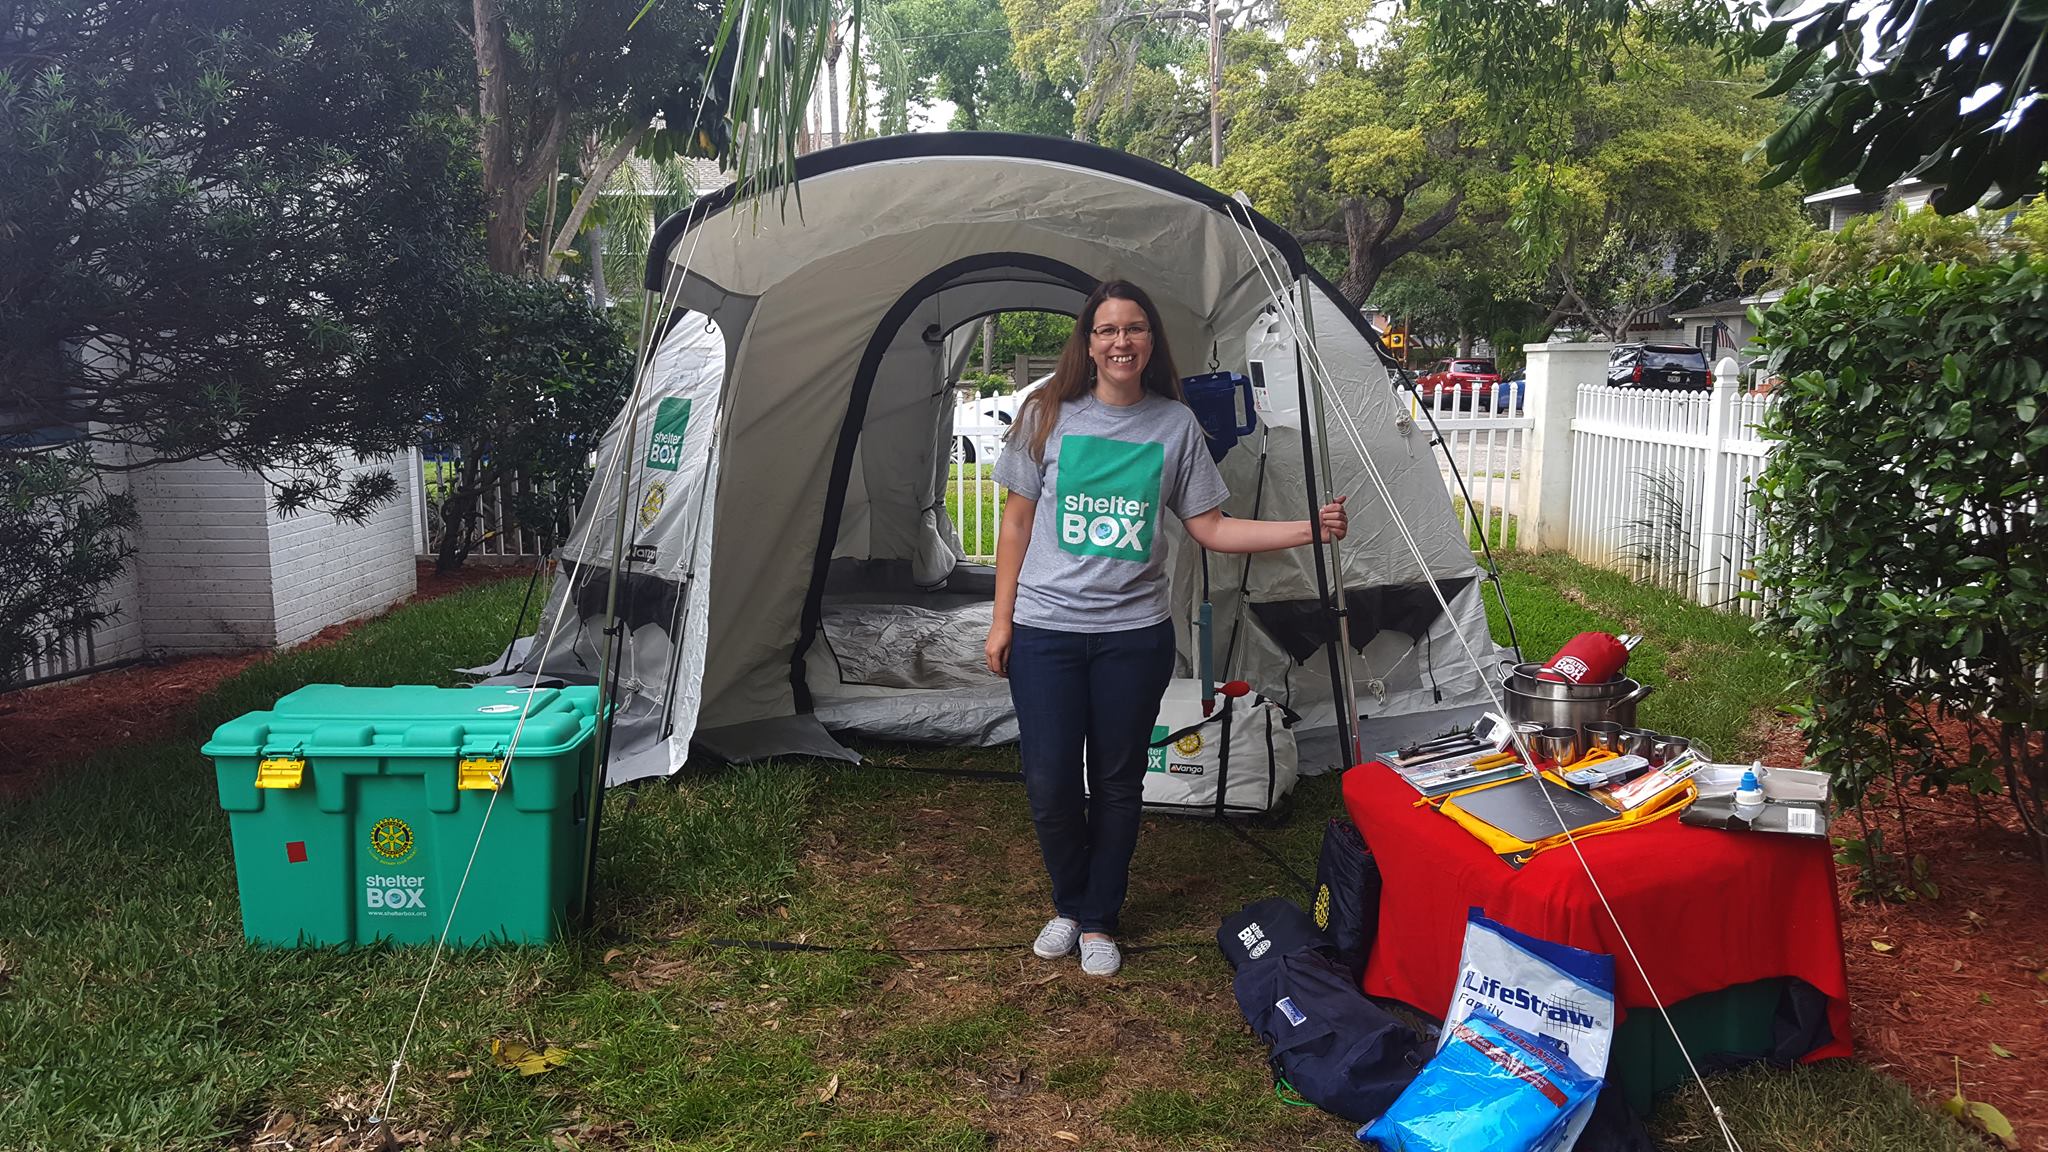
[1521,817]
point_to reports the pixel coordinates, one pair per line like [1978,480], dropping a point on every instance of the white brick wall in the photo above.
[216,569]
[203,554]
[121,637]
[325,571]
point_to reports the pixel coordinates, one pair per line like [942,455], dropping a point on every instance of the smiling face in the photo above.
[1120,357]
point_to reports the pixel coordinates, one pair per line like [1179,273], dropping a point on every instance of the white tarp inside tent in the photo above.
[788,566]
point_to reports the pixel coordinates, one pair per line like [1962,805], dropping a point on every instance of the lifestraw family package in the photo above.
[1491,1086]
[1560,994]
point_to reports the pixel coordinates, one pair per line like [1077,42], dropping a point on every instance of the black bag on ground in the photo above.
[1347,895]
[1267,930]
[1337,1049]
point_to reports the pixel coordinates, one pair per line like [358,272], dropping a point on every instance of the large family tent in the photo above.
[786,571]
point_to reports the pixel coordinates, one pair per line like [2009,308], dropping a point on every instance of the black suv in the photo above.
[1662,366]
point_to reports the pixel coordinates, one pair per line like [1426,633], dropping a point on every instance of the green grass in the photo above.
[1711,673]
[961,481]
[133,1017]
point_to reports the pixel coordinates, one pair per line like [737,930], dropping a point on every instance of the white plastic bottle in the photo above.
[1749,795]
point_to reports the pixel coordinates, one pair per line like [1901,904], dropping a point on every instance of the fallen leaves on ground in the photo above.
[512,1054]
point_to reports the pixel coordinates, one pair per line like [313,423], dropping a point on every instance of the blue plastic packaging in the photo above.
[1491,1086]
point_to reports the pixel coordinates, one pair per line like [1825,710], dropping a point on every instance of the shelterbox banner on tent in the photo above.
[786,572]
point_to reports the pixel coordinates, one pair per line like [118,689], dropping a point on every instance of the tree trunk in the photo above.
[598,296]
[1215,89]
[1370,245]
[1464,340]
[988,345]
[594,182]
[832,81]
[505,222]
[509,180]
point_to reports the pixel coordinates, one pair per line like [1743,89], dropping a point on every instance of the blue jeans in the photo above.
[1100,690]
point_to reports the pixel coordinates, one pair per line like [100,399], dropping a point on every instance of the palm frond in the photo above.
[772,50]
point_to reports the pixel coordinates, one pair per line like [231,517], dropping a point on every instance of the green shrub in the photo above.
[1906,504]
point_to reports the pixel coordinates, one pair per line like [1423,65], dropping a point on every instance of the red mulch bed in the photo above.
[67,722]
[1964,971]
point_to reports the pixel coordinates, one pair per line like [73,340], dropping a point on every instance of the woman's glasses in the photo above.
[1130,331]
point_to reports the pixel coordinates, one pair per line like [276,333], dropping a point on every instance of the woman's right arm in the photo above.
[1018,512]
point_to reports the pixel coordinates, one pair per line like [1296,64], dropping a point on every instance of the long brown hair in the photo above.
[1075,375]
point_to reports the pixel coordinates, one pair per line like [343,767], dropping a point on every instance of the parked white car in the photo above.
[980,424]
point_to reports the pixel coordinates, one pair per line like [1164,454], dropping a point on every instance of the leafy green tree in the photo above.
[1945,91]
[223,223]
[605,72]
[1030,334]
[1902,502]
[960,51]
[1949,92]
[541,376]
[1354,147]
[1136,69]
[63,541]
[1654,203]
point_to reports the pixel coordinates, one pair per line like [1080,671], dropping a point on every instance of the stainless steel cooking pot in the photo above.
[1575,709]
[1524,679]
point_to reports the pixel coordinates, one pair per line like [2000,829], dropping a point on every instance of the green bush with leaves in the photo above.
[1906,502]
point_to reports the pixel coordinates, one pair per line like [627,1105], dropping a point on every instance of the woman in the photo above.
[1082,627]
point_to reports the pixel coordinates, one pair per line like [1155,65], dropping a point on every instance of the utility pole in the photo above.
[1215,89]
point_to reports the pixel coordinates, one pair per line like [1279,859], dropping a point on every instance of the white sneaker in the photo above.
[1101,957]
[1056,939]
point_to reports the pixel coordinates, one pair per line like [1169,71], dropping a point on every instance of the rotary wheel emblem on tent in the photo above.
[1323,906]
[391,840]
[1189,744]
[650,505]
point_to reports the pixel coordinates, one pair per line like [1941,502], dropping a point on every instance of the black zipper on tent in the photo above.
[856,417]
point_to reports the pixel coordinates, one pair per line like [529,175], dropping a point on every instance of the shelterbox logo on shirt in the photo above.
[1109,496]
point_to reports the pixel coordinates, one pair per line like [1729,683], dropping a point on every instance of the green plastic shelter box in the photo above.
[353,812]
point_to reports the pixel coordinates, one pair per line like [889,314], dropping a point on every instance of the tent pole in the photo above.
[593,810]
[1346,716]
[1347,689]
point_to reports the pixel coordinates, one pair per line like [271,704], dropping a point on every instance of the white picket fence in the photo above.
[1486,446]
[1661,483]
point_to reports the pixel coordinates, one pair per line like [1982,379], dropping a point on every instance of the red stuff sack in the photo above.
[1588,658]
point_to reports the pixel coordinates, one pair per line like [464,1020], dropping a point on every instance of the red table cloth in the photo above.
[1705,909]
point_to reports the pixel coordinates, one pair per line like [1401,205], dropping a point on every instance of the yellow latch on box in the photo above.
[476,774]
[280,772]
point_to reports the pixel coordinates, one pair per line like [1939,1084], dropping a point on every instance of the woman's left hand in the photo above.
[1335,522]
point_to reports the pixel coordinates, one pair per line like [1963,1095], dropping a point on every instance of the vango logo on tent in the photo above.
[1108,496]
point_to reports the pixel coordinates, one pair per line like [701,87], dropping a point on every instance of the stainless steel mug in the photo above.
[1556,747]
[1639,742]
[1602,736]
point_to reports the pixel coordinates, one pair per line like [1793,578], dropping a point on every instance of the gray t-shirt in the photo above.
[1097,562]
